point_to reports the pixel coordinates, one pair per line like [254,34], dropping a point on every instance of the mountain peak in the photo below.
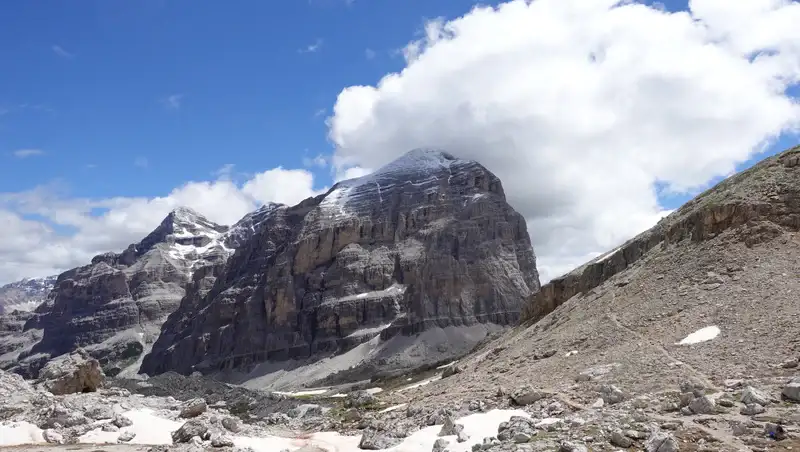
[419,160]
[186,221]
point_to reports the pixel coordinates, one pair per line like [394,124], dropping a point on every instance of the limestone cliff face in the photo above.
[114,306]
[759,203]
[427,241]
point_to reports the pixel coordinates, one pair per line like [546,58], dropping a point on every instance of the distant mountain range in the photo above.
[25,295]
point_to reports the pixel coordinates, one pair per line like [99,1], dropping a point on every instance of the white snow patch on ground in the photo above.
[420,383]
[304,393]
[149,429]
[374,390]
[701,335]
[477,426]
[393,408]
[16,433]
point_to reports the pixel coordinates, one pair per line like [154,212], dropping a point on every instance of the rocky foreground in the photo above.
[73,406]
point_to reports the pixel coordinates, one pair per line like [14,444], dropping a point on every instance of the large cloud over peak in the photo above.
[582,107]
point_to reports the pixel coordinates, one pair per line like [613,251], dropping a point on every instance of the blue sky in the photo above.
[134,98]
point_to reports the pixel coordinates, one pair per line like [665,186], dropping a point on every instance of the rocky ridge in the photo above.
[114,307]
[424,244]
[761,203]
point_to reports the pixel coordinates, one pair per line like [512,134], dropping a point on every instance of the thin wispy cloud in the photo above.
[370,54]
[319,161]
[225,172]
[311,48]
[173,102]
[91,166]
[320,112]
[25,153]
[60,51]
[141,162]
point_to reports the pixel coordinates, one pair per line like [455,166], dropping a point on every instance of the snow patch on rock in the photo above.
[702,335]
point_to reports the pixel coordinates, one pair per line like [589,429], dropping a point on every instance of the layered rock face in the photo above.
[426,242]
[760,203]
[114,306]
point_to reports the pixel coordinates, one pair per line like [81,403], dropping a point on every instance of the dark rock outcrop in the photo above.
[426,242]
[760,203]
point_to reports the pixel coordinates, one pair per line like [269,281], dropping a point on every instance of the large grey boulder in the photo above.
[71,373]
[193,408]
[373,439]
[190,429]
[751,395]
[660,441]
[527,395]
[792,390]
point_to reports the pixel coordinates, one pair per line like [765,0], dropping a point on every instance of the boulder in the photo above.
[232,424]
[440,445]
[221,441]
[373,439]
[451,370]
[190,429]
[121,421]
[661,442]
[450,428]
[517,429]
[751,395]
[359,399]
[193,408]
[527,395]
[71,373]
[620,440]
[611,394]
[53,437]
[703,405]
[125,437]
[792,390]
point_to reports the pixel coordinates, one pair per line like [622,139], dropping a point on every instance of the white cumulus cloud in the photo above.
[47,231]
[582,106]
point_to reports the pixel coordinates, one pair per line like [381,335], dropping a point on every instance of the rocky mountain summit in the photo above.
[411,265]
[25,295]
[114,307]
